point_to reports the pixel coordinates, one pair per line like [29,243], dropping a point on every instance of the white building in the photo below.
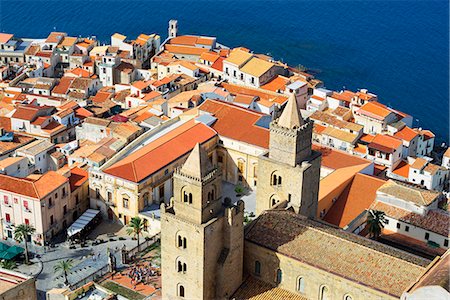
[428,175]
[38,154]
[414,213]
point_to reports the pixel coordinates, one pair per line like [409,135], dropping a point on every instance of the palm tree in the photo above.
[376,221]
[65,266]
[21,234]
[135,228]
[8,264]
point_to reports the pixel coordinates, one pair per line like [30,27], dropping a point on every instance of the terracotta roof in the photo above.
[406,134]
[257,67]
[385,143]
[420,197]
[68,41]
[255,289]
[36,189]
[55,37]
[185,49]
[333,250]
[345,96]
[277,84]
[161,152]
[237,123]
[81,111]
[6,162]
[245,99]
[210,56]
[187,40]
[335,159]
[367,138]
[447,152]
[264,95]
[419,163]
[77,178]
[374,110]
[238,57]
[427,134]
[5,37]
[402,170]
[25,113]
[356,198]
[80,83]
[218,64]
[435,220]
[436,275]
[101,96]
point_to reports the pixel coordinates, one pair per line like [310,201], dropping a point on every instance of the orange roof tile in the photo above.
[36,189]
[161,152]
[406,134]
[276,84]
[357,197]
[374,110]
[385,143]
[237,123]
[185,50]
[5,37]
[402,170]
[63,86]
[210,56]
[218,64]
[77,178]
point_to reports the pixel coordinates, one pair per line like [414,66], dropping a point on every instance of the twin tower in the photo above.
[202,236]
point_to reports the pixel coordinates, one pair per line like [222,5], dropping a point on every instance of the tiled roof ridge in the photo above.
[24,181]
[365,245]
[132,163]
[247,110]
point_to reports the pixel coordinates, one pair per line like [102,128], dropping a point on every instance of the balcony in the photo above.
[110,203]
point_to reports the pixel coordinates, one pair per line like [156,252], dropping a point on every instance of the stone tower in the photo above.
[289,173]
[173,28]
[202,240]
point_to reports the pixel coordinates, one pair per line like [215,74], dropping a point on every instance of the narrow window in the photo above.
[190,198]
[279,276]
[257,268]
[181,291]
[323,293]
[398,225]
[427,235]
[301,285]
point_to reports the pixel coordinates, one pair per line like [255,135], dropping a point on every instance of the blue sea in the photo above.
[396,49]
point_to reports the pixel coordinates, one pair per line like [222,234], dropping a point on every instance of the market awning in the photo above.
[10,252]
[82,222]
[3,247]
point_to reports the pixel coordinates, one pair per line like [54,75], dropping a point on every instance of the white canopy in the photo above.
[82,221]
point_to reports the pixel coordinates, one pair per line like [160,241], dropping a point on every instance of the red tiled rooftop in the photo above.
[161,152]
[357,197]
[406,134]
[237,123]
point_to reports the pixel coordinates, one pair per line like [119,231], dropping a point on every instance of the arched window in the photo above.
[212,195]
[181,241]
[279,180]
[279,276]
[348,297]
[185,197]
[274,179]
[181,291]
[301,285]
[190,198]
[323,293]
[257,268]
[180,267]
[209,196]
[184,243]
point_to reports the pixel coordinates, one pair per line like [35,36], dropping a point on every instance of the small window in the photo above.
[51,220]
[301,285]
[427,236]
[348,297]
[125,203]
[323,293]
[257,268]
[445,243]
[406,228]
[398,225]
[279,276]
[181,291]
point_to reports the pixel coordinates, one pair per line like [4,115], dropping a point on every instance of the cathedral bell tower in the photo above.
[202,239]
[289,173]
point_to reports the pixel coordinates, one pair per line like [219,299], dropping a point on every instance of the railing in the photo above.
[129,255]
[92,277]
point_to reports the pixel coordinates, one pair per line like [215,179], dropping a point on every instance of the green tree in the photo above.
[8,264]
[376,221]
[135,228]
[64,266]
[21,234]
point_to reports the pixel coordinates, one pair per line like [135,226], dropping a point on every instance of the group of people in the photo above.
[141,274]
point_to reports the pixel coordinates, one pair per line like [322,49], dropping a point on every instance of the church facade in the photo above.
[284,253]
